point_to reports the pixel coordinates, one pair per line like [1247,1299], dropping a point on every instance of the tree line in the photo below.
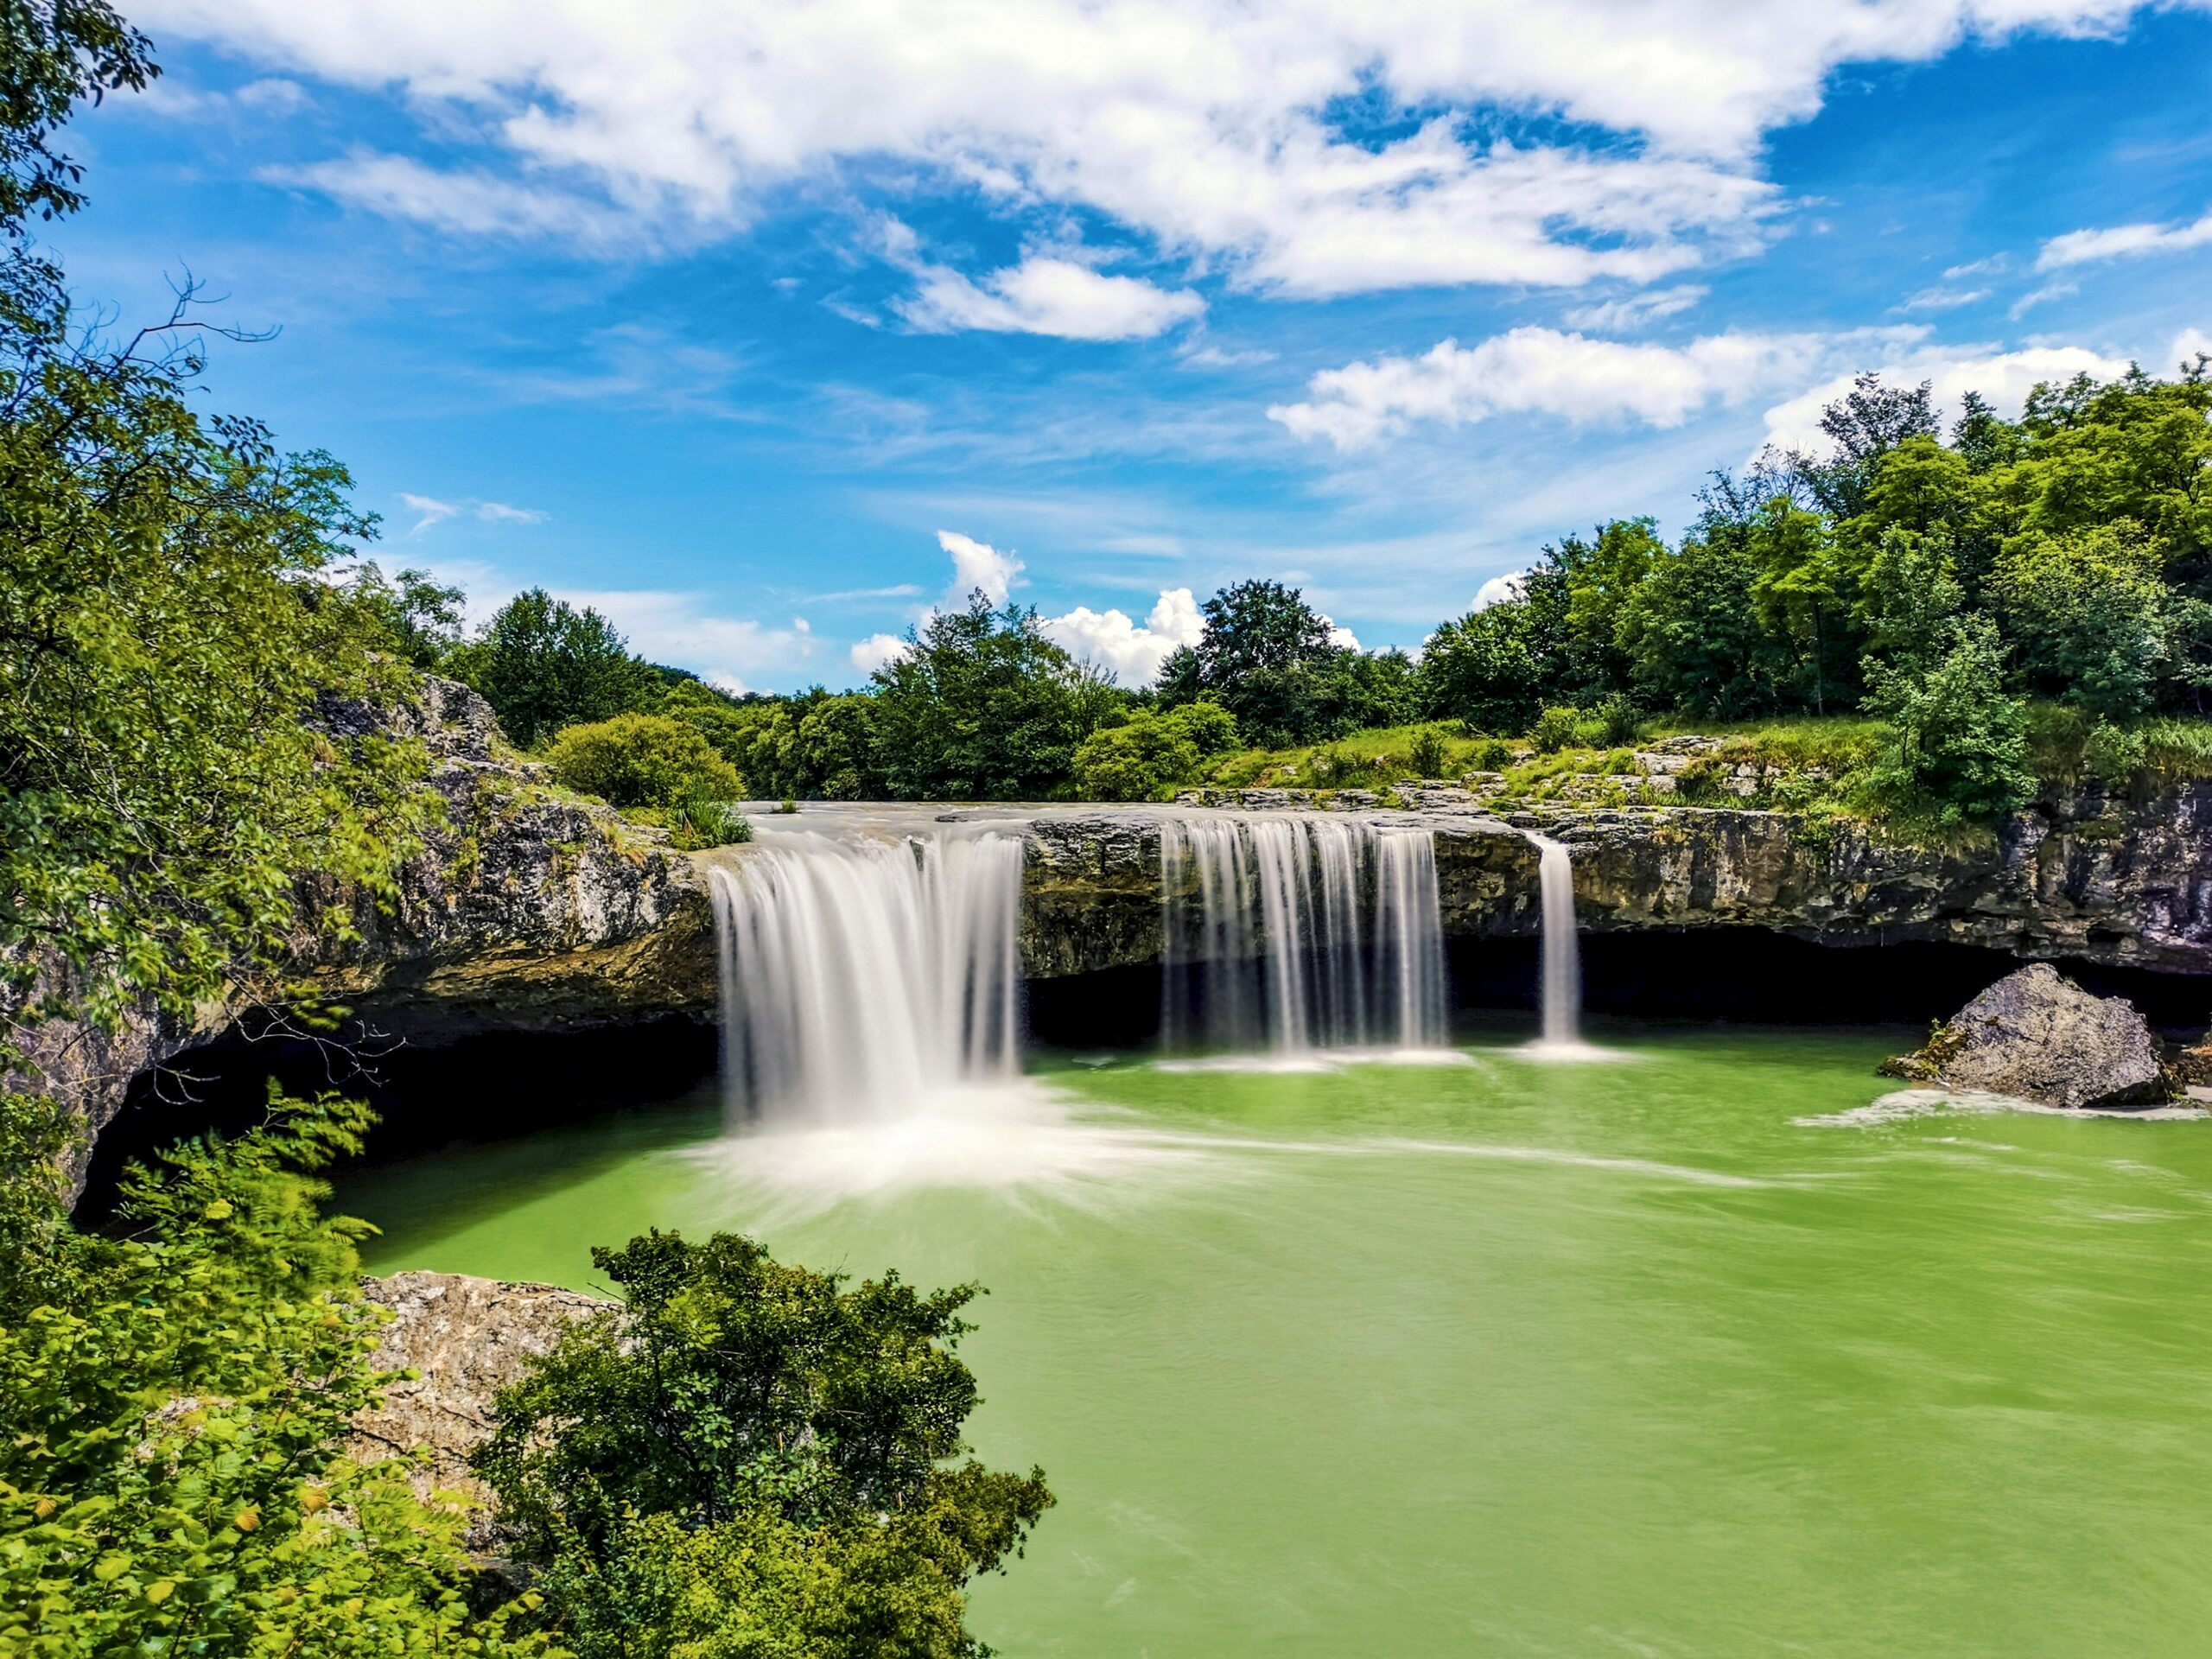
[1938,581]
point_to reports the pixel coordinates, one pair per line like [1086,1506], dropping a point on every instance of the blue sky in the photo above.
[765,327]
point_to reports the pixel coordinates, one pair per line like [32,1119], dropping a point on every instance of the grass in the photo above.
[1369,760]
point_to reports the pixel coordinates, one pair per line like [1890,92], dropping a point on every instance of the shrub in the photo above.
[703,823]
[1429,753]
[2115,755]
[1148,756]
[1617,720]
[1556,729]
[1492,754]
[643,761]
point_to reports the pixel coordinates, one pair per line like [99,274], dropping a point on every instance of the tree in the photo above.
[643,761]
[980,706]
[543,664]
[421,616]
[2089,616]
[1595,579]
[1908,598]
[1801,594]
[1692,632]
[1864,424]
[751,1458]
[1266,656]
[1482,670]
[1960,740]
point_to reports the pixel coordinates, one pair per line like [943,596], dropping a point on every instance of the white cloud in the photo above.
[2004,377]
[1636,310]
[1541,371]
[2122,241]
[1342,638]
[1110,639]
[431,510]
[1200,127]
[1048,296]
[1501,590]
[2188,345]
[474,203]
[977,564]
[877,650]
[2035,297]
[1216,357]
[1943,299]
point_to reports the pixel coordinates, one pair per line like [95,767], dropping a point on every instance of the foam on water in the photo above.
[1904,1104]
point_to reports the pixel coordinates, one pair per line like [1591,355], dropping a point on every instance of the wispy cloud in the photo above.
[429,511]
[2122,241]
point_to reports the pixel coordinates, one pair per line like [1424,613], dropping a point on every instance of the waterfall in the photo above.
[1562,964]
[1294,934]
[862,973]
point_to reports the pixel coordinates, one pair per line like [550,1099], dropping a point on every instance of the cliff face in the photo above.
[2128,884]
[527,910]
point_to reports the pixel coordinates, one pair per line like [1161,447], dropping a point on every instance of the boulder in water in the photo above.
[2037,1036]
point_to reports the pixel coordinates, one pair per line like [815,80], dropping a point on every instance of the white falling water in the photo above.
[1295,934]
[1561,956]
[861,974]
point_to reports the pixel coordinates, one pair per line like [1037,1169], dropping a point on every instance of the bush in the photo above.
[2115,755]
[1429,755]
[643,761]
[1556,729]
[1492,754]
[1149,756]
[1617,720]
[699,824]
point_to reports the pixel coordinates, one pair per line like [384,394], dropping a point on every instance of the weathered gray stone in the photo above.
[468,1338]
[2036,1035]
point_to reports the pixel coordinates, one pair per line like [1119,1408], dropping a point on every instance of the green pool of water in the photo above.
[1508,1358]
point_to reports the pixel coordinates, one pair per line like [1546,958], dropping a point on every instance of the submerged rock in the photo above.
[2036,1035]
[469,1337]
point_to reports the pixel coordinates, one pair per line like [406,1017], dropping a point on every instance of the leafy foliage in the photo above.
[749,1457]
[1267,657]
[1960,742]
[171,1410]
[1148,756]
[543,664]
[642,760]
[982,705]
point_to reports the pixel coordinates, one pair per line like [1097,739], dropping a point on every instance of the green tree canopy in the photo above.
[741,1436]
[982,705]
[543,664]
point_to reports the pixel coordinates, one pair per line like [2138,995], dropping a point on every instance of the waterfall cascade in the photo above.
[1295,933]
[861,972]
[1562,958]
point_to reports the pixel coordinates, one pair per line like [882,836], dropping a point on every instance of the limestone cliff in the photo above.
[528,909]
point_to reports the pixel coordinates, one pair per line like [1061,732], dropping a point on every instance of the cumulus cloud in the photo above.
[1205,128]
[1048,296]
[877,650]
[2122,241]
[978,565]
[1542,371]
[1131,653]
[1501,590]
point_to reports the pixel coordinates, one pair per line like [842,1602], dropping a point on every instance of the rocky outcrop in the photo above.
[531,909]
[528,909]
[466,1338]
[2037,1036]
[2121,883]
